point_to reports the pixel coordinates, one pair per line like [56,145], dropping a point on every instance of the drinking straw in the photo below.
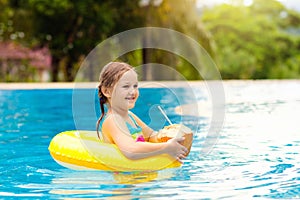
[164,114]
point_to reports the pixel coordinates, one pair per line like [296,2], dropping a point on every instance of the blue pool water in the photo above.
[256,155]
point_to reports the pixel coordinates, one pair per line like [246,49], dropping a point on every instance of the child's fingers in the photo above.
[180,139]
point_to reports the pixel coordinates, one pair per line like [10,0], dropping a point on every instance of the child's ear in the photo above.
[106,91]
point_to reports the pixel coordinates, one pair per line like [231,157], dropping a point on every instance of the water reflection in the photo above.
[105,184]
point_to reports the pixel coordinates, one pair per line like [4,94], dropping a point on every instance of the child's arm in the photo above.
[115,126]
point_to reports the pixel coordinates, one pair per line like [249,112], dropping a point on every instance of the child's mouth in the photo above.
[130,98]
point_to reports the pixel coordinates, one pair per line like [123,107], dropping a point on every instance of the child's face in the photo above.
[125,91]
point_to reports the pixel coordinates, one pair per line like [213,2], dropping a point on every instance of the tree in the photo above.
[71,29]
[253,41]
[181,16]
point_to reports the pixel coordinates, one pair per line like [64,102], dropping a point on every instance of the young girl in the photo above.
[118,89]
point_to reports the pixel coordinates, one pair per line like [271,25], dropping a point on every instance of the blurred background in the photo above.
[47,40]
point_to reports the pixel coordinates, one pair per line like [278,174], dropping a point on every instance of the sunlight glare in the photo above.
[209,3]
[248,2]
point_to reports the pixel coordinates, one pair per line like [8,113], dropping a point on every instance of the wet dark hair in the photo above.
[109,76]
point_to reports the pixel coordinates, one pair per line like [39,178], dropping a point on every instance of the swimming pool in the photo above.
[256,155]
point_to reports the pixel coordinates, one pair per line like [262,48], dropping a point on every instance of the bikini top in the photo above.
[135,132]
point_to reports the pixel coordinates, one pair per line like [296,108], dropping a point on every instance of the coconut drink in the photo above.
[177,131]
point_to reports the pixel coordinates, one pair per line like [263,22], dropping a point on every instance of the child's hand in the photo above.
[176,131]
[175,149]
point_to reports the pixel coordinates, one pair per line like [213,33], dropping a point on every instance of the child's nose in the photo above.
[132,90]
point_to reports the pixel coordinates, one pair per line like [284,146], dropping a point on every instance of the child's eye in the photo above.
[125,86]
[136,86]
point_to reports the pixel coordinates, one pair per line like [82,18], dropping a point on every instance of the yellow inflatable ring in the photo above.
[83,150]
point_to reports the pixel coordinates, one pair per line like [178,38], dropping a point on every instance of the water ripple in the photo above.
[256,154]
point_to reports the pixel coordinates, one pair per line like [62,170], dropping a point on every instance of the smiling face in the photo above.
[125,92]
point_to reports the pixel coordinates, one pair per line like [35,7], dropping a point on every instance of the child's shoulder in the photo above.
[113,119]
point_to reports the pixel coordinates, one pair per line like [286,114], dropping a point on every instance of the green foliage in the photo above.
[25,72]
[254,42]
[247,42]
[6,23]
[70,29]
[183,17]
